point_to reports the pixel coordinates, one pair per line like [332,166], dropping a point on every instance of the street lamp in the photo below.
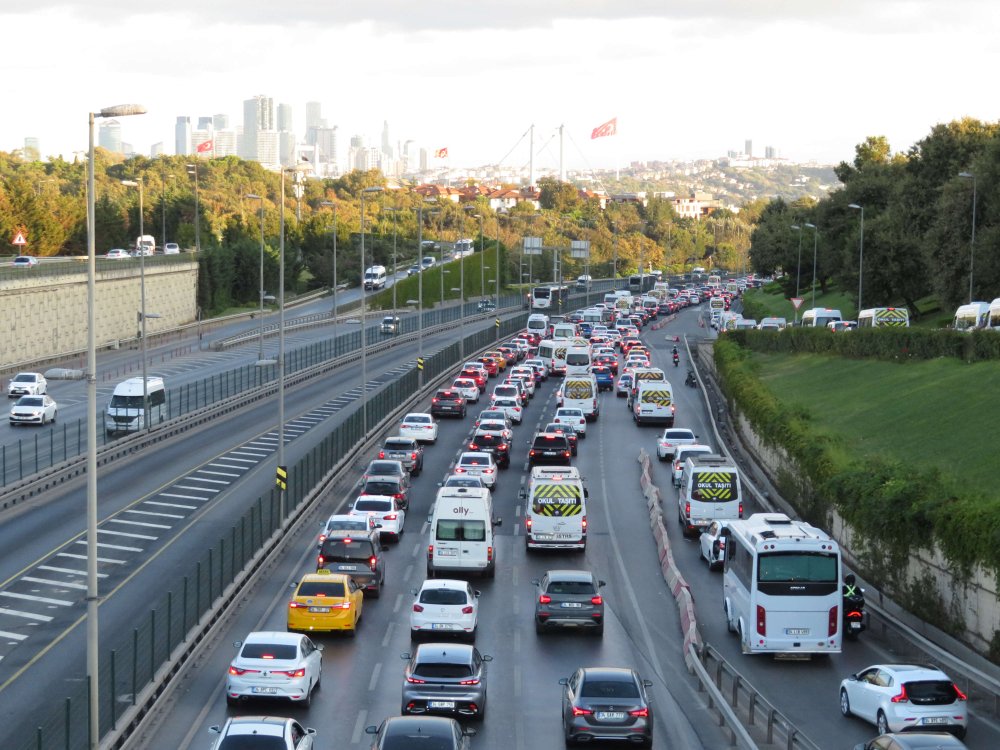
[861,251]
[364,361]
[461,331]
[141,249]
[94,716]
[482,257]
[163,207]
[972,243]
[333,285]
[260,346]
[192,169]
[798,270]
[815,246]
[395,268]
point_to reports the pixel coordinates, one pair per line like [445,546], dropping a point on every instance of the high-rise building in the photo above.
[314,115]
[110,136]
[203,142]
[220,122]
[748,148]
[286,147]
[268,148]
[226,143]
[32,149]
[206,123]
[386,142]
[423,160]
[770,152]
[326,140]
[285,117]
[258,115]
[182,136]
[156,150]
[411,157]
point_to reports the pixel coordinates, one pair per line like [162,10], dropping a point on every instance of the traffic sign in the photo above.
[496,322]
[20,237]
[796,301]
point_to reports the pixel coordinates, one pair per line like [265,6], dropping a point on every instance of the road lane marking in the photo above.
[25,615]
[69,571]
[388,634]
[130,535]
[105,545]
[374,680]
[408,573]
[221,473]
[179,497]
[204,479]
[109,560]
[47,582]
[144,524]
[359,726]
[154,514]
[196,489]
[18,637]
[39,599]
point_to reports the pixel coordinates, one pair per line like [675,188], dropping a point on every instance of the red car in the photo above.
[492,367]
[476,375]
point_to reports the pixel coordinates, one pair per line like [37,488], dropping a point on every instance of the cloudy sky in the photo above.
[686,79]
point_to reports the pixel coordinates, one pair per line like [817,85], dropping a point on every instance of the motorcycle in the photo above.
[677,360]
[692,380]
[855,617]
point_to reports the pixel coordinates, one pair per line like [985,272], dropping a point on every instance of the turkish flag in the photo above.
[608,128]
[206,146]
[441,153]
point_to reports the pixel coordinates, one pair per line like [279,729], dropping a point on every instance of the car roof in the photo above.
[324,577]
[444,653]
[422,415]
[609,674]
[913,671]
[435,726]
[272,636]
[444,583]
[271,726]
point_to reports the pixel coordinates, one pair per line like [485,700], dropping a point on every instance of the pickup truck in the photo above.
[405,450]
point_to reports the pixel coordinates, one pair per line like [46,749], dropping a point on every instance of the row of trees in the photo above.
[48,198]
[918,222]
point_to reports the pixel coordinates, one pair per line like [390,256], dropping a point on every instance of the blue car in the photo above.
[585,329]
[605,378]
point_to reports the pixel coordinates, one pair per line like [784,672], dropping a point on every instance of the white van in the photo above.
[884,317]
[972,316]
[653,402]
[555,509]
[563,331]
[818,317]
[580,392]
[710,491]
[577,359]
[374,278]
[125,409]
[994,321]
[461,533]
[539,324]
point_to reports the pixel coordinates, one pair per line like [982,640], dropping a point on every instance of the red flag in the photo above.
[608,128]
[206,146]
[441,153]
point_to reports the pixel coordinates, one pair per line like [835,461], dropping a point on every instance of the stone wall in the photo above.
[46,315]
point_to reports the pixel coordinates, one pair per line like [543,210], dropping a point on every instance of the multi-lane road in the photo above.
[176,498]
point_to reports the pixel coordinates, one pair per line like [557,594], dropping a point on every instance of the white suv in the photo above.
[573,417]
[26,384]
[445,607]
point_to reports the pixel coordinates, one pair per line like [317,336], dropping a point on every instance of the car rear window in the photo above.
[473,461]
[451,530]
[547,442]
[373,505]
[283,651]
[931,692]
[344,549]
[489,438]
[570,587]
[443,596]
[321,588]
[380,487]
[439,669]
[252,742]
[405,444]
[609,689]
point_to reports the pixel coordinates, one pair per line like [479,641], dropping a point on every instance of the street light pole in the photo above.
[798,271]
[420,294]
[482,258]
[193,170]
[364,361]
[137,182]
[972,243]
[93,707]
[861,252]
[815,246]
[260,345]
[333,285]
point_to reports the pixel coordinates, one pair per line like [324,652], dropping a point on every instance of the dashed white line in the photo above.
[144,524]
[130,535]
[196,489]
[398,604]
[204,479]
[388,634]
[359,726]
[69,571]
[375,673]
[155,514]
[109,560]
[25,615]
[18,637]
[179,497]
[105,545]
[47,582]
[217,473]
[40,599]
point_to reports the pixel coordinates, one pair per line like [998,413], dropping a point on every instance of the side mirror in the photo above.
[498,521]
[413,591]
[406,655]
[216,729]
[372,729]
[292,585]
[853,677]
[477,593]
[535,582]
[522,494]
[468,731]
[237,644]
[647,683]
[602,583]
[563,681]
[487,657]
[586,492]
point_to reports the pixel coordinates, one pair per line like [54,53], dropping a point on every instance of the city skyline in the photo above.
[685,81]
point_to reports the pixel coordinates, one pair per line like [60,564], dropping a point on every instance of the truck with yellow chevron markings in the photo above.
[710,491]
[555,509]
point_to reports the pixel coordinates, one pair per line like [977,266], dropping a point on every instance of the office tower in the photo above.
[156,150]
[286,147]
[386,143]
[285,117]
[326,140]
[770,152]
[314,115]
[411,157]
[32,149]
[206,123]
[182,136]
[423,160]
[203,142]
[267,148]
[748,148]
[220,122]
[226,143]
[258,115]
[110,136]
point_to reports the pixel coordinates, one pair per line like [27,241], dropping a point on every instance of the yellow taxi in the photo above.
[501,360]
[325,602]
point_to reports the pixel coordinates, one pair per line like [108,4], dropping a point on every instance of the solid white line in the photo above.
[153,513]
[47,582]
[241,460]
[41,599]
[25,615]
[217,473]
[144,524]
[374,680]
[109,560]
[228,466]
[69,571]
[196,489]
[359,726]
[127,534]
[19,637]
[112,546]
[212,481]
[171,505]
[181,497]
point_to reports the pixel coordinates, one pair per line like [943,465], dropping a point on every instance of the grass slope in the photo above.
[474,277]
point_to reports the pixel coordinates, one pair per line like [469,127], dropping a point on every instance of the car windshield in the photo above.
[347,549]
[443,596]
[29,401]
[321,588]
[126,402]
[253,742]
[373,505]
[22,378]
[283,651]
[609,689]
[463,482]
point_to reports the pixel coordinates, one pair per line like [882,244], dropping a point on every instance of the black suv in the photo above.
[492,442]
[549,448]
[360,556]
[448,402]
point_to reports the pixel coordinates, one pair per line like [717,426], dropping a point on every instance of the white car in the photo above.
[500,427]
[494,415]
[26,384]
[476,366]
[573,417]
[384,510]
[478,464]
[527,376]
[33,410]
[510,407]
[682,454]
[902,697]
[116,252]
[445,607]
[468,388]
[463,480]
[713,545]
[275,665]
[419,426]
[671,439]
[280,733]
[539,366]
[171,248]
[24,261]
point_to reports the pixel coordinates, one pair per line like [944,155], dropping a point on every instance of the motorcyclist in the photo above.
[851,589]
[677,357]
[854,598]
[691,379]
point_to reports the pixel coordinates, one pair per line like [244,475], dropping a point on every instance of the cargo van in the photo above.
[461,533]
[972,316]
[884,317]
[709,491]
[653,403]
[580,392]
[563,331]
[374,278]
[125,409]
[818,317]
[555,509]
[538,324]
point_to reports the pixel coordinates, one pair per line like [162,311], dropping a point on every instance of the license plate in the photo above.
[440,626]
[571,604]
[935,720]
[265,691]
[543,537]
[447,552]
[610,715]
[564,536]
[318,610]
[347,567]
[440,704]
[796,631]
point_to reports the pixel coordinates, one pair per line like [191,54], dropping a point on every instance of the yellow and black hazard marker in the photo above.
[656,397]
[716,485]
[496,322]
[281,477]
[547,491]
[891,318]
[556,509]
[420,363]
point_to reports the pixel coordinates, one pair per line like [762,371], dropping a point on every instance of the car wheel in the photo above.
[377,591]
[599,631]
[845,703]
[960,732]
[54,415]
[881,723]
[661,457]
[414,635]
[232,702]
[307,701]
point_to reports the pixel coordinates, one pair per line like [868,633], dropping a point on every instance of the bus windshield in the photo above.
[808,573]
[542,292]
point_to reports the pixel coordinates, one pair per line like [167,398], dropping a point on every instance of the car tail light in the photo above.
[581,711]
[434,400]
[466,610]
[459,470]
[398,495]
[415,680]
[687,510]
[902,697]
[833,621]
[381,454]
[583,524]
[418,608]
[527,523]
[642,713]
[762,620]
[958,693]
[502,446]
[372,562]
[596,599]
[531,452]
[295,605]
[413,456]
[430,551]
[473,447]
[544,599]
[322,538]
[469,682]
[342,605]
[237,671]
[489,554]
[300,672]
[487,471]
[319,561]
[741,510]
[390,517]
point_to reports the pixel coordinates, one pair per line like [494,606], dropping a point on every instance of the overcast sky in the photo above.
[689,79]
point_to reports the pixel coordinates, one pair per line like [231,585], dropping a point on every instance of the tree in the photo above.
[557,196]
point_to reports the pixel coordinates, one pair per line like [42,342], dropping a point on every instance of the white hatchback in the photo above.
[510,407]
[275,665]
[419,426]
[573,417]
[444,607]
[385,511]
[478,464]
[671,439]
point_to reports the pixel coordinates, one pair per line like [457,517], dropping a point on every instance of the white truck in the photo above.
[145,244]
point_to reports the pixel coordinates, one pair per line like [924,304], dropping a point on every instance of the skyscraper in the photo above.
[386,142]
[314,115]
[326,139]
[182,136]
[156,150]
[206,123]
[220,122]
[285,117]
[110,136]
[748,148]
[258,115]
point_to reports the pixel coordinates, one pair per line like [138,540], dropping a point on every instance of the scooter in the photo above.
[855,617]
[677,360]
[691,381]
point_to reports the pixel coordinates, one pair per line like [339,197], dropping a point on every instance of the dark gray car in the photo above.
[445,678]
[405,450]
[606,703]
[360,556]
[569,599]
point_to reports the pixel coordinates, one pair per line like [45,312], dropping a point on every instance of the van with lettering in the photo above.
[555,509]
[709,491]
[126,411]
[461,533]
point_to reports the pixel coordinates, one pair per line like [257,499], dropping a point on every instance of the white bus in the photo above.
[715,281]
[884,317]
[782,586]
[547,297]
